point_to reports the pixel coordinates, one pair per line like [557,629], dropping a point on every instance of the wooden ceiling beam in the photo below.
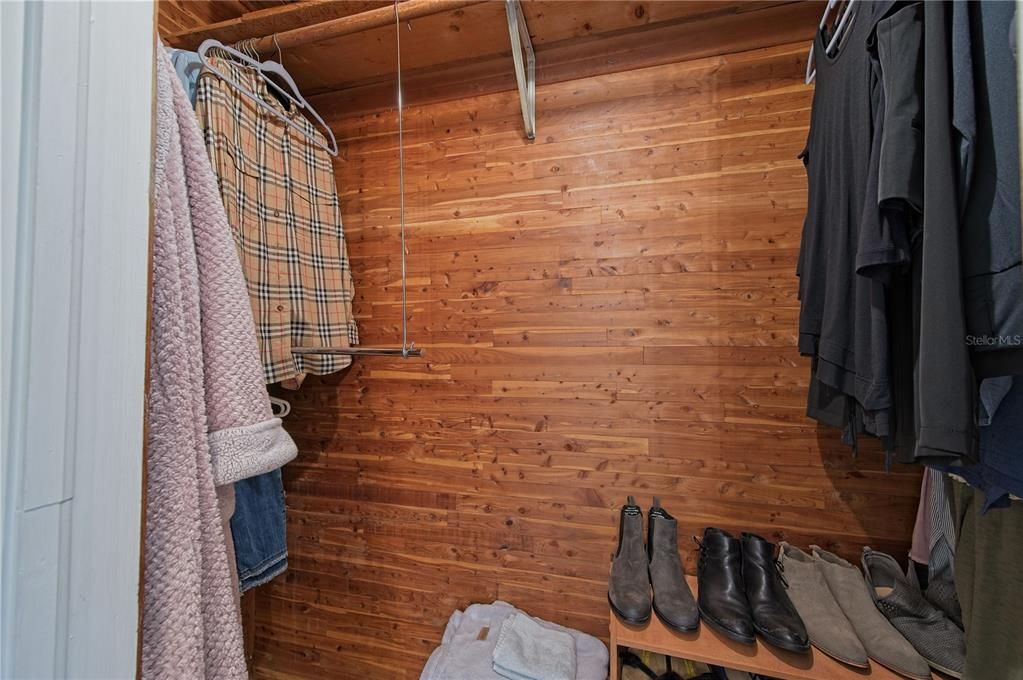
[747,26]
[269,20]
[311,27]
[356,23]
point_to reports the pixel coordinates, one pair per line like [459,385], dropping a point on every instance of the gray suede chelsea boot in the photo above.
[628,589]
[673,600]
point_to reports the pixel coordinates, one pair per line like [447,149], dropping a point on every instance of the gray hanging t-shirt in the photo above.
[843,316]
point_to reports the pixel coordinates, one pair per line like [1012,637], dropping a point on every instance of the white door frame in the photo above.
[77,106]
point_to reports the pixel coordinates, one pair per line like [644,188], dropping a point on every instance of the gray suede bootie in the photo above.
[673,600]
[826,624]
[883,643]
[629,585]
[925,626]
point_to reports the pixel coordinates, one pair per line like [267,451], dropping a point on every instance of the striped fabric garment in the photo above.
[281,201]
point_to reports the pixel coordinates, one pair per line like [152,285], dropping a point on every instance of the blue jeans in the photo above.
[258,526]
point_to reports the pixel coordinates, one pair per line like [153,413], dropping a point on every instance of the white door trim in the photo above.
[77,145]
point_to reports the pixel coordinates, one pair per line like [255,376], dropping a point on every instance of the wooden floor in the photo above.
[608,310]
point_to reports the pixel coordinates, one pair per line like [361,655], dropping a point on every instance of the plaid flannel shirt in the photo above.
[281,201]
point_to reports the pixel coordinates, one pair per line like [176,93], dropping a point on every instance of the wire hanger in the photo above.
[407,349]
[848,14]
[264,68]
[276,68]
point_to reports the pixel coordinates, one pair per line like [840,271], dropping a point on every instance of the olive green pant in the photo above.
[989,581]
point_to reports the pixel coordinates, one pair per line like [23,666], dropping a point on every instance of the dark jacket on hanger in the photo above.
[986,110]
[945,385]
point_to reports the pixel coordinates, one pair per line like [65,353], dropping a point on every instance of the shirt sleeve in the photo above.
[894,197]
[900,55]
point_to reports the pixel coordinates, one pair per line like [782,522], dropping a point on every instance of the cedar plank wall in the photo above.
[608,310]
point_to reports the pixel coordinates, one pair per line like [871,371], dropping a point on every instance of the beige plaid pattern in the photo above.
[281,201]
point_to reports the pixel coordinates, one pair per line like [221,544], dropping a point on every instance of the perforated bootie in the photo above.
[934,636]
[883,643]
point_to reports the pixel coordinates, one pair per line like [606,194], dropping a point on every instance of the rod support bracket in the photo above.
[525,64]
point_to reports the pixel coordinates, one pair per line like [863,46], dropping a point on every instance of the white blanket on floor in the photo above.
[462,655]
[528,651]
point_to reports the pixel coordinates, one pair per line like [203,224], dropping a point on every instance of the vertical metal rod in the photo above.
[401,186]
[525,66]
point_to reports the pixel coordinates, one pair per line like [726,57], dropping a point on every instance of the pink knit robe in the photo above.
[209,416]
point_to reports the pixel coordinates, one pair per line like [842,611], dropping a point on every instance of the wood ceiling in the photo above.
[468,49]
[176,16]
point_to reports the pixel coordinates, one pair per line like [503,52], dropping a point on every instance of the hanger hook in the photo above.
[280,55]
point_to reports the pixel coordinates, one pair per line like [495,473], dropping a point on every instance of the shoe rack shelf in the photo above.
[709,646]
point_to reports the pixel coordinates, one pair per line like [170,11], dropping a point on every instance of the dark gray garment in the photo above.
[991,236]
[899,53]
[843,317]
[891,223]
[904,302]
[825,404]
[945,387]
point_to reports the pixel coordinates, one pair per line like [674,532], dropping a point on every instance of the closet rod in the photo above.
[355,23]
[361,351]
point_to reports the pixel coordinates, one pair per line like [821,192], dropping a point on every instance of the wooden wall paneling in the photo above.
[608,310]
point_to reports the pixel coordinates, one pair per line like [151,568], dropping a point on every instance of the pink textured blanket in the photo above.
[209,417]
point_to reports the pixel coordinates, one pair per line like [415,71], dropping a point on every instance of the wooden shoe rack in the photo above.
[709,646]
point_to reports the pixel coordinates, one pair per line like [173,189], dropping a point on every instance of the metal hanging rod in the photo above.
[407,349]
[412,351]
[525,64]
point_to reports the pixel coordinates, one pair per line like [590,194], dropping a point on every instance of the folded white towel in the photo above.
[527,651]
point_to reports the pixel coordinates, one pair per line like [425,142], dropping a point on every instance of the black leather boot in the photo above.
[629,585]
[722,596]
[673,600]
[774,616]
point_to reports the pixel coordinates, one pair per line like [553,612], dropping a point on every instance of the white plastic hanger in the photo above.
[264,68]
[848,14]
[284,406]
[844,24]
